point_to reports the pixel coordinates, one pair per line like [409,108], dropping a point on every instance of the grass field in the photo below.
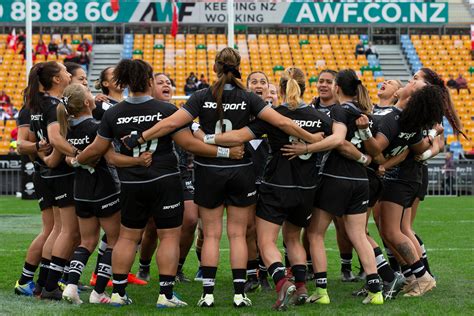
[445,224]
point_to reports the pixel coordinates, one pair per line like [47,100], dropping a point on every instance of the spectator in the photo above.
[360,50]
[84,47]
[53,48]
[190,87]
[452,84]
[203,84]
[371,50]
[192,77]
[41,48]
[65,48]
[4,99]
[461,83]
[84,61]
[21,39]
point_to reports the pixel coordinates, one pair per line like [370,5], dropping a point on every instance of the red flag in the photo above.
[12,39]
[115,5]
[174,23]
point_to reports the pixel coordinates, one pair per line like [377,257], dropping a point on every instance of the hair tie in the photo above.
[358,82]
[232,69]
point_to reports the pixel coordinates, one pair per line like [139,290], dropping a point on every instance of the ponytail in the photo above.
[293,94]
[226,65]
[293,83]
[63,119]
[363,99]
[71,105]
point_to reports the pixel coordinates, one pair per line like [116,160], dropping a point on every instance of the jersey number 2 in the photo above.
[296,140]
[148,146]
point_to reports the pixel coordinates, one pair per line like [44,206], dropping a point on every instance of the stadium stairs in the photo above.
[393,63]
[103,56]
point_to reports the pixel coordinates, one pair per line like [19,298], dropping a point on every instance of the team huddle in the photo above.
[142,170]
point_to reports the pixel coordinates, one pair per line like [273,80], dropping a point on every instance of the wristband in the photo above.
[195,127]
[37,145]
[433,133]
[426,155]
[223,152]
[365,133]
[210,139]
[363,159]
[74,163]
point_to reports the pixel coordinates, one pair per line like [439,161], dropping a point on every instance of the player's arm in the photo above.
[185,139]
[122,161]
[94,151]
[27,144]
[231,138]
[395,160]
[348,150]
[53,159]
[59,142]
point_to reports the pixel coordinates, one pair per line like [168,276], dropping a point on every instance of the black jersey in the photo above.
[326,109]
[399,141]
[39,122]
[295,173]
[137,114]
[239,106]
[184,159]
[336,165]
[24,118]
[102,183]
[258,149]
[381,110]
[101,107]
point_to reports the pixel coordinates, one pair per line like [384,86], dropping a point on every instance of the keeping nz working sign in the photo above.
[215,13]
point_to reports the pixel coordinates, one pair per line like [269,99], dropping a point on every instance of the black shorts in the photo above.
[101,209]
[227,185]
[188,186]
[375,188]
[64,190]
[44,192]
[161,199]
[342,197]
[298,214]
[424,184]
[400,192]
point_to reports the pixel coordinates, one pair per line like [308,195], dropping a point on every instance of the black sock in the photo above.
[418,269]
[383,268]
[262,269]
[252,266]
[299,272]
[391,258]
[346,261]
[208,279]
[145,265]
[166,285]
[65,276]
[198,255]
[424,256]
[43,272]
[239,280]
[100,252]
[287,260]
[406,270]
[78,263]
[277,271]
[181,264]
[104,271]
[28,273]
[56,269]
[120,283]
[373,283]
[321,279]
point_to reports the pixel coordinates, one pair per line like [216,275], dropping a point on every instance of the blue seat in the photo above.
[378,74]
[364,37]
[405,37]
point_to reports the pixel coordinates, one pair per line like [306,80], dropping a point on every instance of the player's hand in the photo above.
[362,122]
[381,171]
[44,147]
[131,141]
[317,137]
[369,160]
[237,152]
[101,98]
[439,128]
[145,159]
[294,149]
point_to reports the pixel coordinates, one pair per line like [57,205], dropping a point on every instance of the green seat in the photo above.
[159,46]
[471,70]
[75,42]
[137,52]
[201,46]
[313,79]
[304,42]
[278,68]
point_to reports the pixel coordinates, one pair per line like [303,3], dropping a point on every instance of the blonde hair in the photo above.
[227,63]
[293,83]
[71,105]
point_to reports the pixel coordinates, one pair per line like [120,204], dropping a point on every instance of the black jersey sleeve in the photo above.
[169,110]
[24,117]
[256,104]
[416,139]
[259,127]
[327,124]
[106,126]
[389,127]
[50,113]
[194,103]
[339,115]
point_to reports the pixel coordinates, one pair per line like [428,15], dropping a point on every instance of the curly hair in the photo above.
[424,108]
[134,74]
[431,77]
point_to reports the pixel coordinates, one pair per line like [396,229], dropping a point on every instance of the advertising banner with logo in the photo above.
[247,13]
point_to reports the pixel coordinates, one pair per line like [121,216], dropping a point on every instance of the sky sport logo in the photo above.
[227,106]
[138,119]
